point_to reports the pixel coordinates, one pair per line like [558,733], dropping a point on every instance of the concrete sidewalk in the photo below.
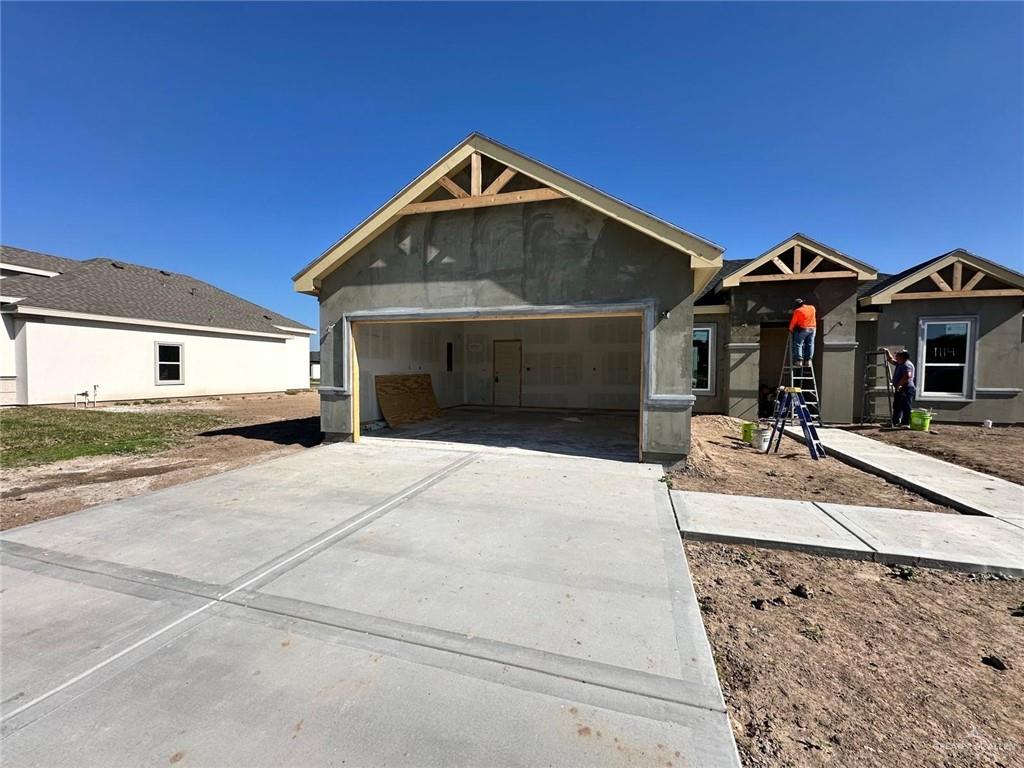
[963,489]
[928,539]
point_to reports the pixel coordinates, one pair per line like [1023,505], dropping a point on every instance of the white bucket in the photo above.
[761,438]
[987,424]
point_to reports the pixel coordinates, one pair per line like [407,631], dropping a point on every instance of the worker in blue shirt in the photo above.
[904,389]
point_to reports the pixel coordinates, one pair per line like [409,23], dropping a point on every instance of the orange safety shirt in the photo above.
[803,317]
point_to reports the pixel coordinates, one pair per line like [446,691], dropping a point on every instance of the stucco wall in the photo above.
[999,353]
[8,357]
[542,254]
[7,347]
[67,356]
[835,345]
[717,402]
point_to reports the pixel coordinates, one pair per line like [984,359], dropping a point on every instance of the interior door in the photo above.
[508,372]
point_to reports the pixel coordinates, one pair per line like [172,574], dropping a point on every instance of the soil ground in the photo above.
[720,462]
[995,451]
[873,669]
[255,428]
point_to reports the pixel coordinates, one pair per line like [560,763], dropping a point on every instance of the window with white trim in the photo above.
[170,362]
[945,364]
[703,351]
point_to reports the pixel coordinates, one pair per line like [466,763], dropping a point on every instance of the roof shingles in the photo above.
[117,289]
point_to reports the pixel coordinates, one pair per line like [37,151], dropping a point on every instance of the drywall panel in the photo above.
[576,363]
[409,348]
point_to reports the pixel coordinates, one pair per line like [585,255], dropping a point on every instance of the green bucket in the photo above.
[748,432]
[920,420]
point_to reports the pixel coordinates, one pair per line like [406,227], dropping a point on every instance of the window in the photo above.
[945,366]
[169,362]
[703,380]
[449,350]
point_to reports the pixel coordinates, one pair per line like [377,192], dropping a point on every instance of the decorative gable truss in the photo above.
[480,172]
[957,275]
[479,183]
[799,258]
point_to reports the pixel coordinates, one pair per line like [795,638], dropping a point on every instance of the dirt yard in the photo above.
[873,667]
[996,451]
[720,462]
[255,428]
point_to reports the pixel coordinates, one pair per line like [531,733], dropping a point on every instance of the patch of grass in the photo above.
[812,632]
[904,572]
[38,435]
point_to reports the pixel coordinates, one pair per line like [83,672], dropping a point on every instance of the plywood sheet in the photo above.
[406,398]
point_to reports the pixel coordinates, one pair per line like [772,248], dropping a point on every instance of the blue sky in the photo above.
[234,142]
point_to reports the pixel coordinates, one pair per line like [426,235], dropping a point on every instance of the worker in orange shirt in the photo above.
[802,326]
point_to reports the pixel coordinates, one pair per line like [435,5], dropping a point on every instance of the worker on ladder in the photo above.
[803,325]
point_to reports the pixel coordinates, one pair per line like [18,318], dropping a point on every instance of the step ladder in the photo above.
[802,378]
[874,363]
[790,405]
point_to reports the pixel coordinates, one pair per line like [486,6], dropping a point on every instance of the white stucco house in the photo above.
[124,332]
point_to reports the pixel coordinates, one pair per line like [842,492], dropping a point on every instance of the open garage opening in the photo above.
[562,385]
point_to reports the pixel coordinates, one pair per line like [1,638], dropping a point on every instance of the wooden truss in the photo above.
[799,270]
[960,289]
[478,196]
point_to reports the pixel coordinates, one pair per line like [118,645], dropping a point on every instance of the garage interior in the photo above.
[561,385]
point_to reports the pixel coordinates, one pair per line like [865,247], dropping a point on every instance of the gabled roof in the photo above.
[703,253]
[861,270]
[103,287]
[882,290]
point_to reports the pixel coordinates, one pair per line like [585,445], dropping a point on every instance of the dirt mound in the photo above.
[702,461]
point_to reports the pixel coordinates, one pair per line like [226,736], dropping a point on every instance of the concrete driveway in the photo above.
[386,603]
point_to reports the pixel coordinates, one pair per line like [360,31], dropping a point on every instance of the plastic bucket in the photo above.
[748,432]
[761,438]
[920,420]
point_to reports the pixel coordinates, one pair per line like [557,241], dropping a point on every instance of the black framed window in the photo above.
[170,363]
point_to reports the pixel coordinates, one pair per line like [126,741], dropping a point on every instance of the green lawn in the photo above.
[41,435]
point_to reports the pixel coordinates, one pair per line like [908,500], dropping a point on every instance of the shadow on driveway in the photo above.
[304,432]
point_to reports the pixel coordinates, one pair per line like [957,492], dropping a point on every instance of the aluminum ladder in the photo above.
[802,378]
[872,367]
[791,404]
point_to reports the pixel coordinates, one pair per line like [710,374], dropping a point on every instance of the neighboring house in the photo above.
[314,365]
[123,332]
[515,285]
